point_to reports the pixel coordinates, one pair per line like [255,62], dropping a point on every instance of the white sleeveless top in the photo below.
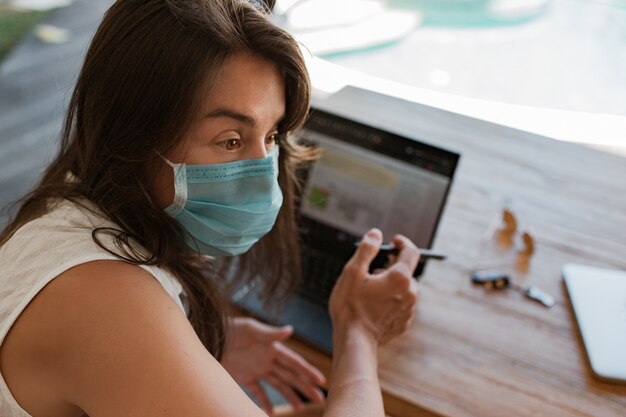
[40,251]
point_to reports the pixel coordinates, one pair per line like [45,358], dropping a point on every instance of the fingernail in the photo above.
[374,233]
[320,378]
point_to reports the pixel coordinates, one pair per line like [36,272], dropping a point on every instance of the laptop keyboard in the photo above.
[320,272]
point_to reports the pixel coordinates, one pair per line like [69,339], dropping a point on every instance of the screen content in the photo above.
[352,189]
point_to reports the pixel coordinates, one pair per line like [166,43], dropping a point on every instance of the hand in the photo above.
[380,304]
[254,352]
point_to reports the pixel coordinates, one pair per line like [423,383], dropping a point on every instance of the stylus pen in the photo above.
[389,249]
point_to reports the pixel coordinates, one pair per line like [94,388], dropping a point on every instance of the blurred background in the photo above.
[539,65]
[561,54]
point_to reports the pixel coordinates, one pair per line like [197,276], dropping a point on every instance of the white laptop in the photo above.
[598,298]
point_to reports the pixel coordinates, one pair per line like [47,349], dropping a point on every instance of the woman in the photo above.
[175,150]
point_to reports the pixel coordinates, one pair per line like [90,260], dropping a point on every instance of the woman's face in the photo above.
[238,120]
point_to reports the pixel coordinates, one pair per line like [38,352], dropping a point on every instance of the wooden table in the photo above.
[477,353]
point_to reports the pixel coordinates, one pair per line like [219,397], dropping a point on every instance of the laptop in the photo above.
[598,298]
[365,177]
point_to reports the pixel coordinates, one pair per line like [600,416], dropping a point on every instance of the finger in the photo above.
[406,285]
[406,314]
[297,364]
[401,323]
[406,327]
[258,392]
[367,250]
[408,253]
[406,304]
[286,392]
[306,388]
[265,332]
[414,289]
[401,274]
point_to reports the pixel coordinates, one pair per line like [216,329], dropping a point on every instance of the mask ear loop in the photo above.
[180,186]
[167,161]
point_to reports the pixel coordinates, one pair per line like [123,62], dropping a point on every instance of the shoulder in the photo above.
[91,300]
[107,337]
[62,235]
[80,314]
[115,286]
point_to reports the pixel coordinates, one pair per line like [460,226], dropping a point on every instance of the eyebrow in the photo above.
[221,112]
[244,118]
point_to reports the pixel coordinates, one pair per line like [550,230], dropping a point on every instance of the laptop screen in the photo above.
[367,177]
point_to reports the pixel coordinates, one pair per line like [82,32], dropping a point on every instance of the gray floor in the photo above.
[36,81]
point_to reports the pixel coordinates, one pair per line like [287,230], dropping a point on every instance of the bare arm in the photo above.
[354,389]
[368,310]
[109,341]
[105,339]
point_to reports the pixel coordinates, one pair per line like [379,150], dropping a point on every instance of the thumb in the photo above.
[367,250]
[269,333]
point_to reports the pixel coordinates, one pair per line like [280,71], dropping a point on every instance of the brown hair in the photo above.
[137,92]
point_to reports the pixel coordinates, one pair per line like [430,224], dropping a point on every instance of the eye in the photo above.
[272,140]
[232,144]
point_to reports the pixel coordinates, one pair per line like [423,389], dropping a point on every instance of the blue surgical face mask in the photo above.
[226,208]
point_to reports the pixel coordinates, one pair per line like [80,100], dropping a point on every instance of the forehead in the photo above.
[250,85]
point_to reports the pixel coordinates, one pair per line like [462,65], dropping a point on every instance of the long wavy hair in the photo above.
[139,90]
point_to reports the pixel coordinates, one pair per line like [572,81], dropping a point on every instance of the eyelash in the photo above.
[275,137]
